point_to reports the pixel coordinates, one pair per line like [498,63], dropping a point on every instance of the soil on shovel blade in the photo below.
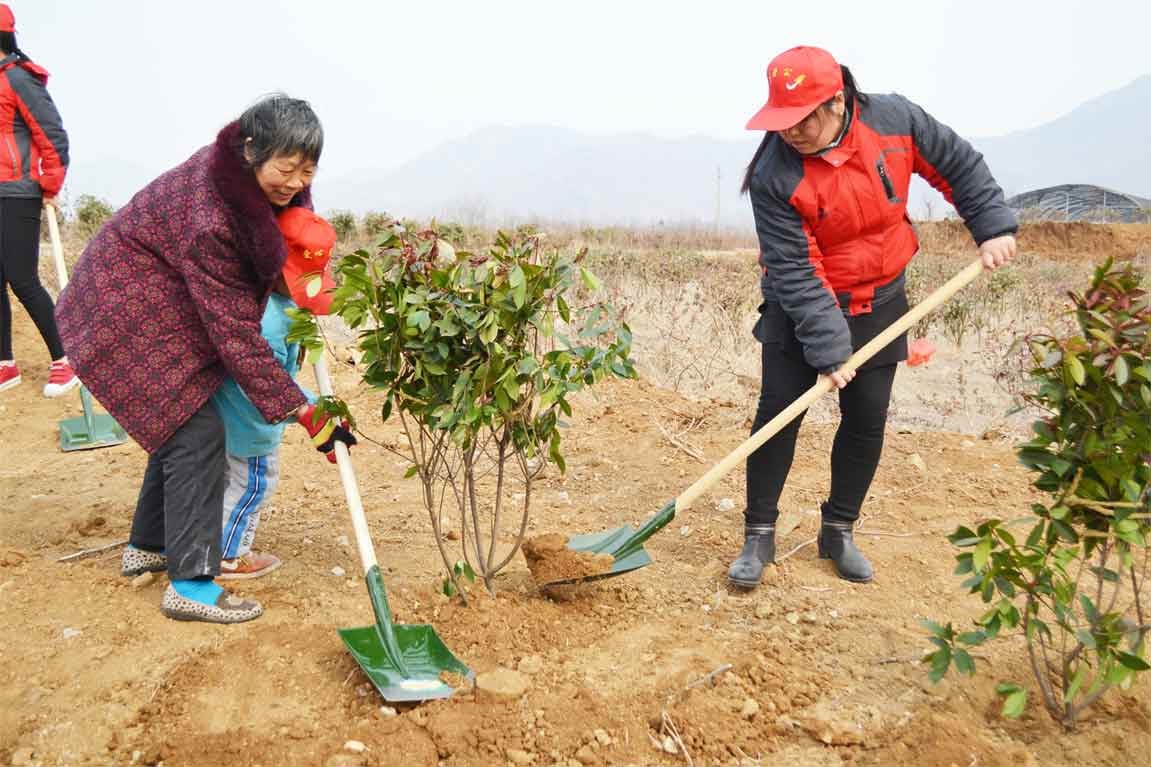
[550,560]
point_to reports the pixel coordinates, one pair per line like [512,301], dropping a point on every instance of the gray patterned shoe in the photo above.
[137,561]
[228,608]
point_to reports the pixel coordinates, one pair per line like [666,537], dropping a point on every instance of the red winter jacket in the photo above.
[833,228]
[34,157]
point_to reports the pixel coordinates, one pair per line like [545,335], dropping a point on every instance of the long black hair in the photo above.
[851,95]
[8,46]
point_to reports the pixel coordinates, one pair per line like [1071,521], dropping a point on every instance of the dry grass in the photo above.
[692,310]
[690,297]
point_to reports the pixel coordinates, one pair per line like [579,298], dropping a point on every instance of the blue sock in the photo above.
[203,591]
[150,551]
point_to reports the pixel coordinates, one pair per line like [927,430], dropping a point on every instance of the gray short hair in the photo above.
[280,125]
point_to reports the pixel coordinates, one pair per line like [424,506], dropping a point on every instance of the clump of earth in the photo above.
[551,561]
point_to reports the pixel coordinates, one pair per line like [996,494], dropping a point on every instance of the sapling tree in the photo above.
[1071,577]
[477,355]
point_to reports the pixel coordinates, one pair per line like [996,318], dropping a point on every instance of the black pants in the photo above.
[179,509]
[858,441]
[19,267]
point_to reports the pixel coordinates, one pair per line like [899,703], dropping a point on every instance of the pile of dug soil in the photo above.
[550,560]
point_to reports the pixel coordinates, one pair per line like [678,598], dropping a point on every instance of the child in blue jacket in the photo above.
[253,445]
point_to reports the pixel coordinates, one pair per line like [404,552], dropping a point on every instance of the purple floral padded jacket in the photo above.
[167,298]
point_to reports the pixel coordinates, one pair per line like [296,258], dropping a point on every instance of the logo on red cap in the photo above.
[307,269]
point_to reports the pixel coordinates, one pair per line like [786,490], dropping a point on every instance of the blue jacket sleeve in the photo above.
[275,326]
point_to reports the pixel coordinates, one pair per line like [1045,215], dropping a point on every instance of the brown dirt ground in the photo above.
[829,666]
[1056,240]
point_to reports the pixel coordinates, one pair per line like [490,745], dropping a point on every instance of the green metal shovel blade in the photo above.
[623,543]
[91,430]
[404,662]
[424,656]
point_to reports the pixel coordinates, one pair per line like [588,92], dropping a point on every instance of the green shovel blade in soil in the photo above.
[626,545]
[404,662]
[623,543]
[91,430]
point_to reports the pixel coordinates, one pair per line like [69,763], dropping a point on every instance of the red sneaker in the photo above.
[251,565]
[9,376]
[61,379]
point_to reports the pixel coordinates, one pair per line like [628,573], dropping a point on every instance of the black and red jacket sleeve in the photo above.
[794,263]
[39,112]
[950,164]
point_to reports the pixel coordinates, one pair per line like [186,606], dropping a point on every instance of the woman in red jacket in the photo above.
[829,187]
[32,166]
[164,304]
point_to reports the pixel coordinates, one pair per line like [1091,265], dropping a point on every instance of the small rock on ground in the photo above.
[517,756]
[502,684]
[23,757]
[531,664]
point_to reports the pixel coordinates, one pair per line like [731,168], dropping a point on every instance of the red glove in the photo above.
[919,352]
[326,432]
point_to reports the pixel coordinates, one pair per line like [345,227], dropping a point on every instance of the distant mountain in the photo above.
[1102,142]
[501,173]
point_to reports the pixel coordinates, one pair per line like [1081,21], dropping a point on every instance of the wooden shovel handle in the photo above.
[824,384]
[348,478]
[57,247]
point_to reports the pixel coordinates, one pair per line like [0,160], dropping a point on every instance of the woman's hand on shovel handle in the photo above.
[841,378]
[997,251]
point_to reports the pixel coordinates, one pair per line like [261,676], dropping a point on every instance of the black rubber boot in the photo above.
[836,544]
[758,550]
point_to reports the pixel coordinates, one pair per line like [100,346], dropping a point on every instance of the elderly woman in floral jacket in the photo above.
[165,303]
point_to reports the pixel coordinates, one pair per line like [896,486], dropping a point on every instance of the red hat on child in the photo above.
[307,269]
[7,19]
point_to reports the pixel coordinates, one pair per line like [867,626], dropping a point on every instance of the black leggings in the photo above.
[858,441]
[19,267]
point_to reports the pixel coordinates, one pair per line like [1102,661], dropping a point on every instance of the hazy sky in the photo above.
[149,81]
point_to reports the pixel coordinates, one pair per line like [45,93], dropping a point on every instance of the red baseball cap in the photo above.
[307,269]
[7,19]
[799,80]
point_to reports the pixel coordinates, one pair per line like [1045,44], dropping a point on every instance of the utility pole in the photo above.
[718,195]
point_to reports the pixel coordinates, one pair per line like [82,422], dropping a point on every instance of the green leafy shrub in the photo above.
[477,354]
[1075,583]
[375,223]
[91,213]
[344,222]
